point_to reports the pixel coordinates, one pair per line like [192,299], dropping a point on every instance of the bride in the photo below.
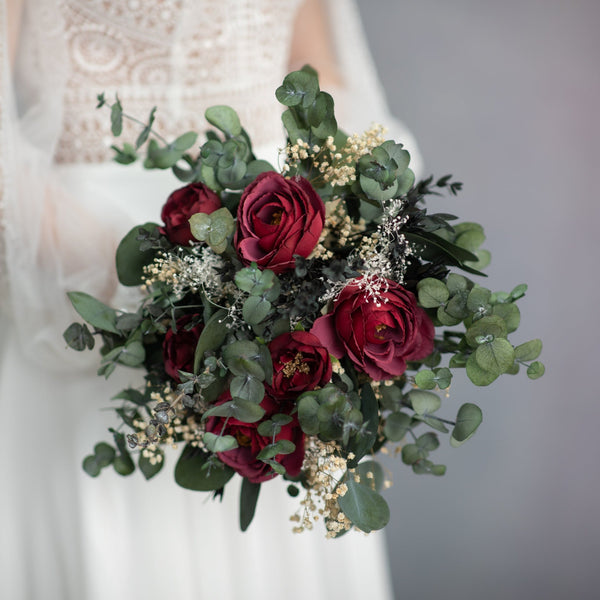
[63,208]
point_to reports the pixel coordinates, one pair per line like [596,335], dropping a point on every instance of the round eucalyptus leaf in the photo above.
[396,426]
[104,454]
[529,350]
[364,507]
[255,309]
[247,387]
[219,443]
[478,299]
[91,466]
[425,379]
[496,356]
[468,419]
[130,260]
[510,313]
[247,411]
[478,375]
[432,292]
[535,370]
[424,402]
[492,325]
[308,408]
[457,283]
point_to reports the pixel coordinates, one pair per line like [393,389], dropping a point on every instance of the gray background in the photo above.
[505,95]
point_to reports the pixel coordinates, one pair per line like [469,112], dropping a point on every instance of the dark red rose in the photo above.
[300,363]
[278,218]
[181,205]
[377,339]
[179,347]
[243,458]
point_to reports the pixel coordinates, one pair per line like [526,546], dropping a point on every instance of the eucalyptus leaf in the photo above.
[248,498]
[529,350]
[193,471]
[225,119]
[151,468]
[364,507]
[247,387]
[396,426]
[535,370]
[432,292]
[468,419]
[96,313]
[219,443]
[424,402]
[212,336]
[495,356]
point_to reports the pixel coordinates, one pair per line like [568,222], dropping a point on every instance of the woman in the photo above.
[64,208]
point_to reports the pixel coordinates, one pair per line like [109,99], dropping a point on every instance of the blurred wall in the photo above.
[505,95]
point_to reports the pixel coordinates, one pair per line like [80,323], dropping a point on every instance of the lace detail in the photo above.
[179,55]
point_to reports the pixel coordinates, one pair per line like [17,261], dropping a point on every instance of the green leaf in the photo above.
[195,471]
[510,313]
[363,443]
[225,119]
[219,443]
[184,142]
[535,370]
[492,326]
[213,335]
[432,292]
[247,411]
[529,350]
[130,260]
[146,131]
[96,313]
[468,419]
[478,375]
[308,407]
[243,357]
[279,447]
[457,283]
[424,402]
[373,189]
[433,422]
[132,354]
[496,356]
[478,299]
[78,337]
[472,238]
[255,309]
[396,426]
[425,379]
[247,387]
[104,454]
[91,466]
[148,469]
[123,464]
[519,291]
[364,507]
[158,157]
[125,156]
[428,441]
[299,88]
[116,118]
[248,499]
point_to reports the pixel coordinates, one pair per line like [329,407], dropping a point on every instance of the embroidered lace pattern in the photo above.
[179,55]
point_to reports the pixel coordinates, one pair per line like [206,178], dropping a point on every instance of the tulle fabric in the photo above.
[65,535]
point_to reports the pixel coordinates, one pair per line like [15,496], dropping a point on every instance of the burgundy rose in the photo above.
[179,347]
[300,363]
[377,339]
[181,205]
[278,218]
[243,458]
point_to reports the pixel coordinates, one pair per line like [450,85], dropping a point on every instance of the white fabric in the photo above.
[64,535]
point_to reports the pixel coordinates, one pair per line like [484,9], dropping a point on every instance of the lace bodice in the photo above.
[179,55]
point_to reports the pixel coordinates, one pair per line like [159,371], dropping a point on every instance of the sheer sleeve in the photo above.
[49,244]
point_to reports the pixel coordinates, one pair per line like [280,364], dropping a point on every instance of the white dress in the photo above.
[64,535]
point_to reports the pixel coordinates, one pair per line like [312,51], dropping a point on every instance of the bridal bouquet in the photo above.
[295,322]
